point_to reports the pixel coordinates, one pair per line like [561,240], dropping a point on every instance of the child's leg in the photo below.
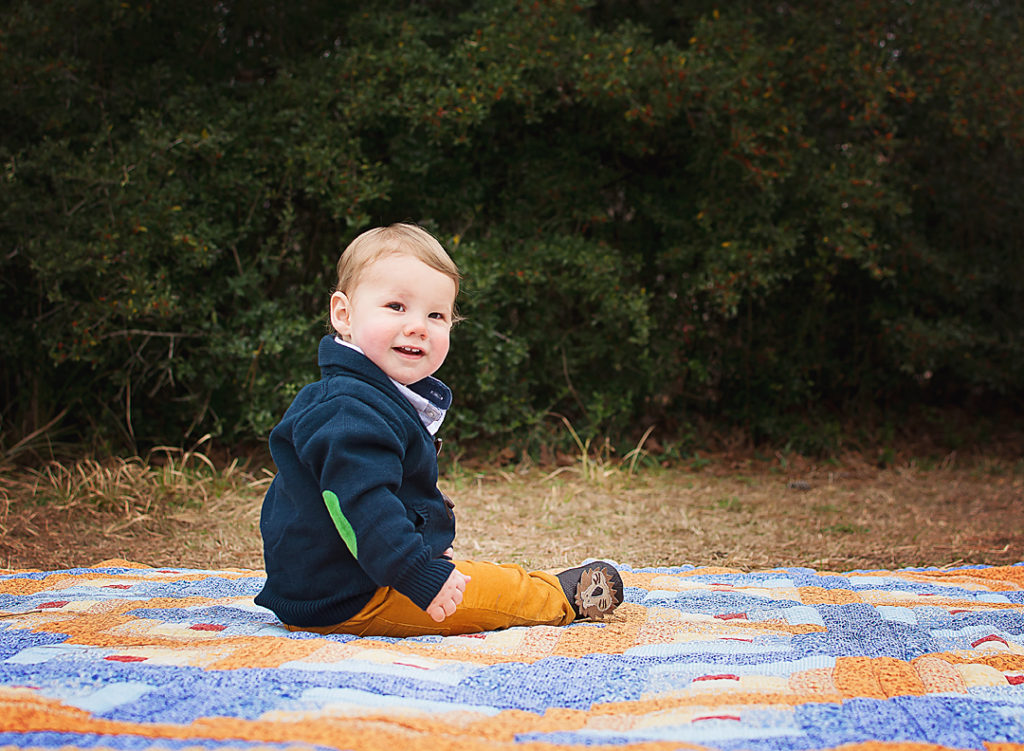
[497,596]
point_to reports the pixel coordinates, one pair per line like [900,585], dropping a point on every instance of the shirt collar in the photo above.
[430,414]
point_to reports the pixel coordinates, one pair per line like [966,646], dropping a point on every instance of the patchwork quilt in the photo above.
[123,656]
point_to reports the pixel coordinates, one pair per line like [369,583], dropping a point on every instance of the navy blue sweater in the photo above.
[354,505]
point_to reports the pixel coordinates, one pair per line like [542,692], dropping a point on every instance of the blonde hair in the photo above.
[395,239]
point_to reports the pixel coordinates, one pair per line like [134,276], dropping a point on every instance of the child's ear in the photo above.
[341,314]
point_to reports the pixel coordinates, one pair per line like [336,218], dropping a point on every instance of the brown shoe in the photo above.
[594,589]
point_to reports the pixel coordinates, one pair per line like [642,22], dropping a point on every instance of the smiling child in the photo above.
[357,536]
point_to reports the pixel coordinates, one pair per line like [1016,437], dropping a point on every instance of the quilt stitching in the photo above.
[127,657]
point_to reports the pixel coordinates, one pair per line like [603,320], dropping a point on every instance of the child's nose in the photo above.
[416,326]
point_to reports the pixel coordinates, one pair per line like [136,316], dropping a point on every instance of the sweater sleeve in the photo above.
[358,456]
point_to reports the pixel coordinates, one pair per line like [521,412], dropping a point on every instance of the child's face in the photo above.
[399,314]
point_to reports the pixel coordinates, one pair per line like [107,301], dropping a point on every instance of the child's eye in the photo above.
[439,316]
[395,306]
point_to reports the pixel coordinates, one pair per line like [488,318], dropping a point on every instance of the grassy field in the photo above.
[732,509]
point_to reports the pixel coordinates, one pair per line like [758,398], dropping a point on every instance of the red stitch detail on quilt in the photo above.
[718,717]
[207,627]
[1015,680]
[990,637]
[720,677]
[54,604]
[125,658]
[731,616]
[117,586]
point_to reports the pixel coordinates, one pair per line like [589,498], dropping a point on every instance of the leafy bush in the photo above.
[664,210]
[552,324]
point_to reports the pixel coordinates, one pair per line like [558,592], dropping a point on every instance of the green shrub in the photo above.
[553,325]
[665,211]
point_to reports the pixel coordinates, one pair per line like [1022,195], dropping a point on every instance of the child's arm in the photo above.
[356,455]
[449,598]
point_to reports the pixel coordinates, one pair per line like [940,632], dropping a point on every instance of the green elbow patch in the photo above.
[341,523]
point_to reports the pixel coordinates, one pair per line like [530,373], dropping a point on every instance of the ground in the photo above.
[734,509]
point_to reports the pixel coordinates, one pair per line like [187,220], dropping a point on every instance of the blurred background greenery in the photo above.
[787,217]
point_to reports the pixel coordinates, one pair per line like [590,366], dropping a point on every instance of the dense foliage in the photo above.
[663,209]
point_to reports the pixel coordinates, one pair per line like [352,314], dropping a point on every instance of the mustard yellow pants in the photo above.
[497,596]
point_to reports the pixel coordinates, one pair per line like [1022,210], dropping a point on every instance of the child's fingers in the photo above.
[442,610]
[438,611]
[449,598]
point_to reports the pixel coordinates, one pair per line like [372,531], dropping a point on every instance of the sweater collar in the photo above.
[430,397]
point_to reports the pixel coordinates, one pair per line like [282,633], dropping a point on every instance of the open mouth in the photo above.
[410,351]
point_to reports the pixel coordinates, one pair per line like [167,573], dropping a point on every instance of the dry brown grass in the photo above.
[175,508]
[751,515]
[171,503]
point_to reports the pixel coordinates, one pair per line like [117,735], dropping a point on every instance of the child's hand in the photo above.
[449,598]
[449,554]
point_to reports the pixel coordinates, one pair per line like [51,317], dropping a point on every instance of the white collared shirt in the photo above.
[430,414]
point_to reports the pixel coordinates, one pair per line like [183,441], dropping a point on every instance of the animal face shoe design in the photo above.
[594,589]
